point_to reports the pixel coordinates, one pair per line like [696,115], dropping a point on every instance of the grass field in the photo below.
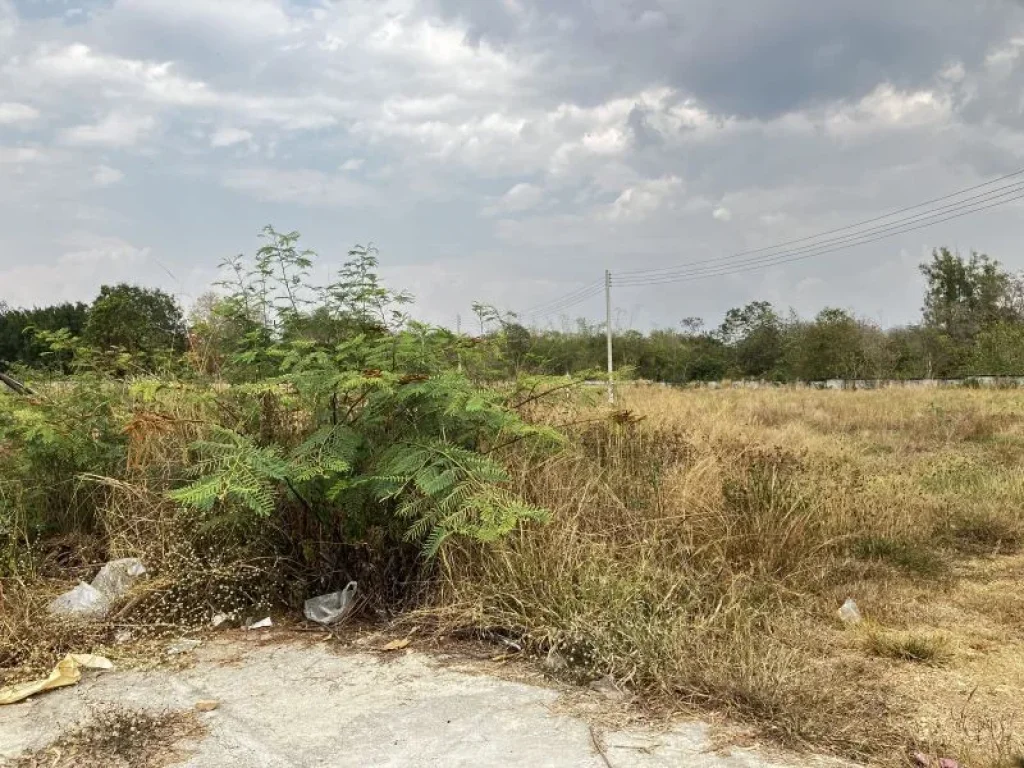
[703,543]
[700,546]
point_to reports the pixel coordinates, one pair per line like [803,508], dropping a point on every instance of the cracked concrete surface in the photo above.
[304,705]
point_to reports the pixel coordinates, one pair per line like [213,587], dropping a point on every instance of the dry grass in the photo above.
[921,647]
[701,548]
[119,738]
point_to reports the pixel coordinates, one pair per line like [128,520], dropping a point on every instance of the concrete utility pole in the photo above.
[608,332]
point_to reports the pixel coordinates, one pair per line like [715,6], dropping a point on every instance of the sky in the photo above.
[504,151]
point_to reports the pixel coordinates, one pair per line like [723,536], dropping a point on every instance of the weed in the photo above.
[701,553]
[119,738]
[915,646]
[981,531]
[916,558]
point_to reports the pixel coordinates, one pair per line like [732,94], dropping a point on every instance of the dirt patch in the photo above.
[112,737]
[282,705]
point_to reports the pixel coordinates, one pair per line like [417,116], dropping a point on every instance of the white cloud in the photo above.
[151,81]
[503,112]
[8,19]
[105,176]
[121,80]
[642,200]
[521,197]
[118,129]
[228,137]
[256,20]
[1001,60]
[303,187]
[955,72]
[887,108]
[19,155]
[11,112]
[86,262]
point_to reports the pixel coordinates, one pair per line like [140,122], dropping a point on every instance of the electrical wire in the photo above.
[722,269]
[829,241]
[565,302]
[855,226]
[894,227]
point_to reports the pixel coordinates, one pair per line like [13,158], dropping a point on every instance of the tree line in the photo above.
[972,323]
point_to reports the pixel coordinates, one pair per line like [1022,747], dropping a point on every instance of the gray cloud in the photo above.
[751,59]
[513,148]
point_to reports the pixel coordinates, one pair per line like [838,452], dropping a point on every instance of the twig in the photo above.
[518,438]
[299,496]
[545,393]
[16,385]
[597,746]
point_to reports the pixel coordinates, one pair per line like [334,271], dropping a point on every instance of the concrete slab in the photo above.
[283,706]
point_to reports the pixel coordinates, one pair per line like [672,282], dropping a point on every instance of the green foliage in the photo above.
[299,401]
[756,335]
[233,472]
[19,329]
[444,490]
[965,295]
[144,323]
[46,443]
[394,432]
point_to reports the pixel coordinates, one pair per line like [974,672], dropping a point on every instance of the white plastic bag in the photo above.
[849,613]
[332,608]
[92,601]
[116,577]
[84,601]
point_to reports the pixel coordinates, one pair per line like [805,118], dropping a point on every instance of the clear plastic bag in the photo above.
[92,601]
[116,577]
[84,602]
[850,613]
[332,608]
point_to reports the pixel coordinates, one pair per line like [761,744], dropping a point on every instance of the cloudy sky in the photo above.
[503,150]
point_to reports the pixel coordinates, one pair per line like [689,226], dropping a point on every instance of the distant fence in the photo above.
[978,382]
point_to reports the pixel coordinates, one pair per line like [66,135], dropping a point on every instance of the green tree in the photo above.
[963,296]
[755,335]
[999,350]
[145,323]
[830,347]
[19,328]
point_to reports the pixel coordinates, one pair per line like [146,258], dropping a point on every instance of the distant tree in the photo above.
[965,295]
[146,323]
[755,335]
[999,350]
[828,348]
[19,327]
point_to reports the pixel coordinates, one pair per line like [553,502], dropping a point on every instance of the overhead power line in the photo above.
[564,302]
[732,265]
[922,215]
[990,194]
[856,224]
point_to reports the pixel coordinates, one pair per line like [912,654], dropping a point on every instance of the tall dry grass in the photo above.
[702,544]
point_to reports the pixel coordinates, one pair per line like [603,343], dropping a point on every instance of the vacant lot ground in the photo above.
[703,543]
[700,546]
[301,704]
